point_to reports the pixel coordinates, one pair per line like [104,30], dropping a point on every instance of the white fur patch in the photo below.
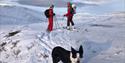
[74,60]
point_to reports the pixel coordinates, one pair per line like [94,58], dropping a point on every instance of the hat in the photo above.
[69,4]
[52,6]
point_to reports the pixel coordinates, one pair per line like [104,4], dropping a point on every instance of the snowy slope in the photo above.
[101,36]
[16,14]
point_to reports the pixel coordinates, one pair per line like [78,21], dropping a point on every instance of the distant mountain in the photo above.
[19,15]
[60,3]
[46,3]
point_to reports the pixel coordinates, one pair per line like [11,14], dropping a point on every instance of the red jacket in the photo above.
[50,25]
[50,12]
[69,14]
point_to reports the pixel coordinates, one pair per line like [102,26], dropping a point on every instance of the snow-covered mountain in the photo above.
[59,3]
[45,3]
[21,15]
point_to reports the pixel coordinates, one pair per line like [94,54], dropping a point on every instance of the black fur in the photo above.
[60,53]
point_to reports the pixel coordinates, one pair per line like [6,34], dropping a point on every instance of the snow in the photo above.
[19,15]
[102,37]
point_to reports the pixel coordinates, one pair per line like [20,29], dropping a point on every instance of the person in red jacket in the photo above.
[50,19]
[69,15]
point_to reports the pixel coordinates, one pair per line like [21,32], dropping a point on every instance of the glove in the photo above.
[54,14]
[64,15]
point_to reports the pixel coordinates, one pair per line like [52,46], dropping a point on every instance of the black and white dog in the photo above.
[73,56]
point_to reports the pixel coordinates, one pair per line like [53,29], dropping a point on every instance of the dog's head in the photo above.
[76,55]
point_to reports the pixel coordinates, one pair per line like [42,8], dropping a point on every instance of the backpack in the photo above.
[72,11]
[46,13]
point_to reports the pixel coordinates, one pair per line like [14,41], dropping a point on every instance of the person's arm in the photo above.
[68,13]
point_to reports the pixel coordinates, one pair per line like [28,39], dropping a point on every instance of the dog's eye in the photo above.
[74,56]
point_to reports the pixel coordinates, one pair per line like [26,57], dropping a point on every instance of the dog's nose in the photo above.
[78,61]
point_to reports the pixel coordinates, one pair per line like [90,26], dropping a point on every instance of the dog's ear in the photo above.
[73,50]
[81,51]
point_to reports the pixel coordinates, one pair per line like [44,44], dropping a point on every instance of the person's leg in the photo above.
[48,24]
[72,21]
[51,24]
[68,23]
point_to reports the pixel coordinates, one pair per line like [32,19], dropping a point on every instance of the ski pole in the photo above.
[56,23]
[63,18]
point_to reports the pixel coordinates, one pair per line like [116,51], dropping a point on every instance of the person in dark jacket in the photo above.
[69,16]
